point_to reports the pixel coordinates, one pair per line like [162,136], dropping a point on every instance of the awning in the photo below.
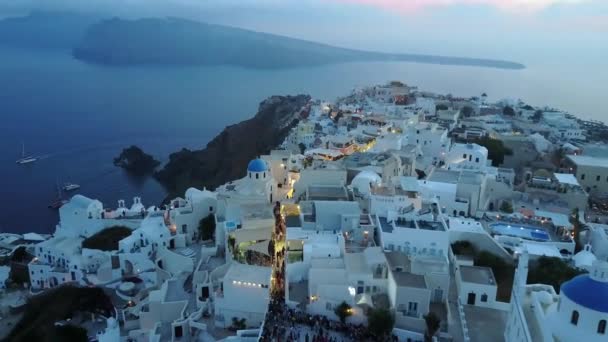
[260,247]
[248,235]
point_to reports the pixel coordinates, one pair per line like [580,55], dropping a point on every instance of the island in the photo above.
[174,41]
[135,161]
[225,158]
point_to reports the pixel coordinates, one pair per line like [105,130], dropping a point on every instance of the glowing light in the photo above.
[352,291]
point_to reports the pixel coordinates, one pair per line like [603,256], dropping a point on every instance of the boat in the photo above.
[25,159]
[70,187]
[59,201]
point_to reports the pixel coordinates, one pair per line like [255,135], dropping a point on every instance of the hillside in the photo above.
[226,157]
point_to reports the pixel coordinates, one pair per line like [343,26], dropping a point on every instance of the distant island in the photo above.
[181,42]
[173,41]
[135,161]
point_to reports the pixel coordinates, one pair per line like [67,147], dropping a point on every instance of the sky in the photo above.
[528,31]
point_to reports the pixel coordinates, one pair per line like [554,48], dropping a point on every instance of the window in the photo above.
[484,297]
[257,176]
[583,176]
[601,327]
[412,309]
[211,209]
[597,178]
[464,156]
[477,160]
[574,317]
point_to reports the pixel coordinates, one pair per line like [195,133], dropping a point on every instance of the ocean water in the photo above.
[77,116]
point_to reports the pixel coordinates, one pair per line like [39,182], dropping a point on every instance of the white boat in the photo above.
[24,158]
[70,187]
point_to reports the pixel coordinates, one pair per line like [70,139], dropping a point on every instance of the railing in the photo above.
[463,322]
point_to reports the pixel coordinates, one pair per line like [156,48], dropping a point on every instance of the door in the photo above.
[438,296]
[471,299]
[178,331]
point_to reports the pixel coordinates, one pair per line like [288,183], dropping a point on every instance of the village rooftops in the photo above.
[248,274]
[400,266]
[444,176]
[589,161]
[326,193]
[477,275]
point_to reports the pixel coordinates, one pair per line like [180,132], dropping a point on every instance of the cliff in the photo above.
[174,41]
[226,157]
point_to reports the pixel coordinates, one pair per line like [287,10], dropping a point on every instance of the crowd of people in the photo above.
[285,324]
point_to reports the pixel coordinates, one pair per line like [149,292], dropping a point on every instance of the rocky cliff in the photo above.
[226,157]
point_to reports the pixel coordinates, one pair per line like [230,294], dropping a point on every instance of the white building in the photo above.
[579,312]
[477,286]
[258,185]
[467,156]
[243,294]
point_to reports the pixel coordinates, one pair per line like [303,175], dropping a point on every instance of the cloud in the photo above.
[409,6]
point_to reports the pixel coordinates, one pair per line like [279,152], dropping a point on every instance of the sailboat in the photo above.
[59,201]
[71,186]
[25,159]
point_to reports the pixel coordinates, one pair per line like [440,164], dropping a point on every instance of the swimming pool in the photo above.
[522,231]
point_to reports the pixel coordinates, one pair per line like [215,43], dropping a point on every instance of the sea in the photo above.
[76,117]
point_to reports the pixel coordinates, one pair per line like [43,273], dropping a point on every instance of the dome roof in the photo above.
[364,180]
[257,165]
[587,292]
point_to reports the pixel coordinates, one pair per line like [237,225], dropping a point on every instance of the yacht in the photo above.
[70,187]
[26,159]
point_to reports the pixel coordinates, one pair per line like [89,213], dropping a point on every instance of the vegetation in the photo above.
[59,304]
[206,227]
[70,333]
[343,311]
[503,272]
[380,322]
[464,247]
[302,148]
[577,227]
[19,273]
[467,111]
[432,322]
[538,115]
[238,324]
[107,239]
[136,161]
[508,111]
[496,149]
[552,271]
[506,207]
[441,106]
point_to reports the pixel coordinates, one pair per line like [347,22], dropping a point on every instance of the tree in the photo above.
[508,111]
[496,149]
[380,322]
[302,148]
[467,111]
[206,227]
[506,207]
[107,239]
[441,106]
[432,326]
[551,271]
[343,311]
[238,324]
[577,227]
[464,247]
[538,115]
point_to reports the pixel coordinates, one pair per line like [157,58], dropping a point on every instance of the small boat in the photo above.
[25,159]
[59,201]
[70,187]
